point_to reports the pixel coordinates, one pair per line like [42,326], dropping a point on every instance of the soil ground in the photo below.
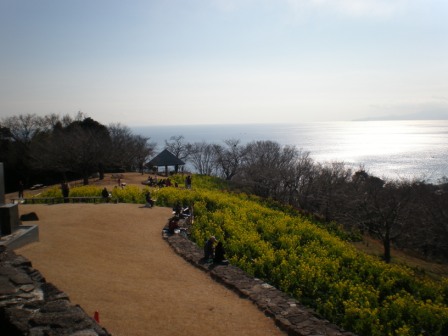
[111,258]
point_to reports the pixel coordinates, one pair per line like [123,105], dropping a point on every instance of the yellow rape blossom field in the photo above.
[305,259]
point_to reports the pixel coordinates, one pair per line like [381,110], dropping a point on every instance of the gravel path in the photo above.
[111,258]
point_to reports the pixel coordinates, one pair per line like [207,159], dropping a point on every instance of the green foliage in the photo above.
[201,182]
[352,289]
[129,194]
[51,192]
[85,191]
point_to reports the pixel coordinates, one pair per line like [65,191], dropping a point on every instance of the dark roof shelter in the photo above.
[165,159]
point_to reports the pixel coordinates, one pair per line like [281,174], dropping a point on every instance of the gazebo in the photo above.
[165,159]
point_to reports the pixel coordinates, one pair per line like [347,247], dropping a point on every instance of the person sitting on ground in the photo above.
[220,254]
[173,224]
[209,249]
[186,212]
[105,194]
[177,209]
[180,211]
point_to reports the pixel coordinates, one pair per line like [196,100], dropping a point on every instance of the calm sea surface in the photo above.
[392,149]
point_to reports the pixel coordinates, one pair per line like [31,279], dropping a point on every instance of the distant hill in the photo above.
[409,116]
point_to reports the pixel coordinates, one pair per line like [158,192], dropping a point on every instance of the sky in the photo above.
[178,62]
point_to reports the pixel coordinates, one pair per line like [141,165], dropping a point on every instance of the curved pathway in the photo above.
[111,258]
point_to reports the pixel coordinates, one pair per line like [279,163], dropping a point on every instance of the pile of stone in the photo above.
[288,314]
[31,306]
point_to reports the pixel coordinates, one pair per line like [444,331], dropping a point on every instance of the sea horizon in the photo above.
[392,149]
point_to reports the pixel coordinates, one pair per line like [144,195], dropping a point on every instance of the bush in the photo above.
[352,289]
[302,258]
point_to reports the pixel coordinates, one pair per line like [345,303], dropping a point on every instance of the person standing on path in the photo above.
[65,191]
[188,182]
[21,189]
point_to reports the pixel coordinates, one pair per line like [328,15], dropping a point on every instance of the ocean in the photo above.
[387,149]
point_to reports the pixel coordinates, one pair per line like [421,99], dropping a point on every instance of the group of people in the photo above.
[182,212]
[151,181]
[179,213]
[155,182]
[214,253]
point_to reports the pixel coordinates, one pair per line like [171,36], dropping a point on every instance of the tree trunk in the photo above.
[101,171]
[386,244]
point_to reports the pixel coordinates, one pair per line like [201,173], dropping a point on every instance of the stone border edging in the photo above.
[31,306]
[289,315]
[23,235]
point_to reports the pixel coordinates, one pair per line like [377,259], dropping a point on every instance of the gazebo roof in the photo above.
[165,158]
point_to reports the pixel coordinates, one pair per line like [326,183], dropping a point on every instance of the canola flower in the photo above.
[302,258]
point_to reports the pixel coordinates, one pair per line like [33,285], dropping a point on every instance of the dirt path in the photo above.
[111,258]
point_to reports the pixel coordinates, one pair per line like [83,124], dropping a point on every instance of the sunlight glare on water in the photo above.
[396,149]
[355,140]
[393,149]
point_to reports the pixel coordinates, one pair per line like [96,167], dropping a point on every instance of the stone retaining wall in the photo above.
[31,306]
[288,314]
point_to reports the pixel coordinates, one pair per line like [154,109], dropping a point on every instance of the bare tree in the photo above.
[299,180]
[141,150]
[329,188]
[120,138]
[81,147]
[23,128]
[178,147]
[21,131]
[128,150]
[382,208]
[267,168]
[427,226]
[229,158]
[203,157]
